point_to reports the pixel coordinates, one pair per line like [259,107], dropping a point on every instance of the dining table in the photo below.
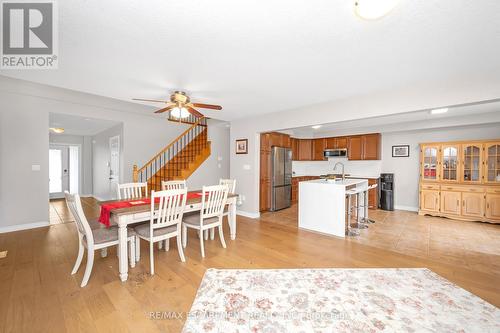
[126,216]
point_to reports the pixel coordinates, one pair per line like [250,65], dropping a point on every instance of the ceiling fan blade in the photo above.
[149,100]
[194,112]
[165,109]
[207,106]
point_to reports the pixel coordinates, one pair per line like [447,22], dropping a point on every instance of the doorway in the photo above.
[64,173]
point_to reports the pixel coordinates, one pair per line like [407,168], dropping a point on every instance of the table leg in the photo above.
[122,259]
[232,220]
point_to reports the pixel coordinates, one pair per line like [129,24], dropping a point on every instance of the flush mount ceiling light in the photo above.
[179,112]
[373,9]
[439,111]
[57,130]
[316,126]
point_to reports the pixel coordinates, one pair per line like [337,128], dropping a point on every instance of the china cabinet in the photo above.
[461,180]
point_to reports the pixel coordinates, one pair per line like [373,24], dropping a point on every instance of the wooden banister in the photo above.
[170,145]
[178,159]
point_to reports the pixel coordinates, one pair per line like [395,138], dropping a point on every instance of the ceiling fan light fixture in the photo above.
[373,9]
[180,112]
[58,130]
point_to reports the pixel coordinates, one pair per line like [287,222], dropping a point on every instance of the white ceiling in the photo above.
[473,114]
[75,125]
[259,57]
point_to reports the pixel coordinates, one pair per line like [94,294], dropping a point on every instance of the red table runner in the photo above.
[107,208]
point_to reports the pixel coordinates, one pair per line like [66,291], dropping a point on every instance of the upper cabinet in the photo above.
[359,147]
[475,162]
[492,162]
[472,161]
[305,150]
[449,163]
[318,146]
[355,148]
[429,162]
[371,146]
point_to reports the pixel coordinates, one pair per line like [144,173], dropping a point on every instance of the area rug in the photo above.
[336,300]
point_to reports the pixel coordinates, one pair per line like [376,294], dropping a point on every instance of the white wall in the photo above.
[24,137]
[85,144]
[406,170]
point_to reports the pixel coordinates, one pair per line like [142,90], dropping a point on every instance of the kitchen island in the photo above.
[323,207]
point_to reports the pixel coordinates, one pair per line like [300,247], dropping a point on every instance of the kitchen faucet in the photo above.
[335,167]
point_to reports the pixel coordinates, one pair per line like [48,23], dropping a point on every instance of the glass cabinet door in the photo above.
[449,162]
[430,159]
[472,162]
[492,164]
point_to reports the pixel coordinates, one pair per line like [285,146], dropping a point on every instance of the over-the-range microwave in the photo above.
[335,152]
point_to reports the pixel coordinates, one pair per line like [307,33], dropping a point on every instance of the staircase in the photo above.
[179,159]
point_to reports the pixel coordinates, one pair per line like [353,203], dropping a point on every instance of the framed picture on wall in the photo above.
[242,146]
[401,151]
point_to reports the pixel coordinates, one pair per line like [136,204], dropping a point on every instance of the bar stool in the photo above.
[366,205]
[350,194]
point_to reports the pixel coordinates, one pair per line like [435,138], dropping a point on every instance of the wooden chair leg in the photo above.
[201,244]
[179,248]
[205,234]
[151,257]
[212,234]
[167,244]
[137,248]
[184,236]
[160,245]
[132,251]
[88,268]
[79,258]
[221,236]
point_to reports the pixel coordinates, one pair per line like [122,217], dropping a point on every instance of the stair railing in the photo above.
[175,156]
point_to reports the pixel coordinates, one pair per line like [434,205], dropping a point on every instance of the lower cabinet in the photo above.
[461,202]
[473,204]
[429,200]
[451,202]
[493,206]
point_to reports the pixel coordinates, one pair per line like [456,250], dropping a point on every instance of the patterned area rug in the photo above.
[336,300]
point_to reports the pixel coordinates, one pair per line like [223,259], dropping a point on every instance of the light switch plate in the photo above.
[35,167]
[246,167]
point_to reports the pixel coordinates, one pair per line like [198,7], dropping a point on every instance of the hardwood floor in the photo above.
[38,294]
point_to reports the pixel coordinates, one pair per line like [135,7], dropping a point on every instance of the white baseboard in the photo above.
[247,214]
[408,208]
[24,226]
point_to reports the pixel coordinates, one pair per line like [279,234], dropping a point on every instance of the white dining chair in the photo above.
[213,201]
[132,191]
[173,185]
[93,239]
[230,183]
[166,221]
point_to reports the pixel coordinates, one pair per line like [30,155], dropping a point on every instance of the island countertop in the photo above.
[343,183]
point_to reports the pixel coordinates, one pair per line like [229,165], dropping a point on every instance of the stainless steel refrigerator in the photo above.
[281,178]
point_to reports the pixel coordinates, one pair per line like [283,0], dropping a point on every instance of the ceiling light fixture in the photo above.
[439,111]
[373,9]
[179,112]
[316,126]
[57,130]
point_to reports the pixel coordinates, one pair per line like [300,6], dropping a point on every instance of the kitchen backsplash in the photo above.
[356,168]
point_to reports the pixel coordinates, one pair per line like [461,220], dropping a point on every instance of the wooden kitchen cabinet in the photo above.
[355,148]
[318,149]
[473,204]
[450,162]
[295,149]
[341,142]
[429,200]
[305,150]
[451,202]
[373,195]
[493,206]
[371,146]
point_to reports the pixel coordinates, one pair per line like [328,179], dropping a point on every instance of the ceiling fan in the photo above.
[180,105]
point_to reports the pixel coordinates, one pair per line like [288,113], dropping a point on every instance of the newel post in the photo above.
[135,174]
